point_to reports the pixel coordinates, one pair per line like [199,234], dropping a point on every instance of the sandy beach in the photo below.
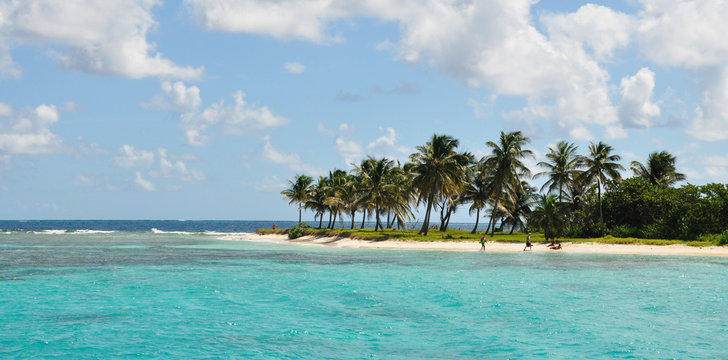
[501,247]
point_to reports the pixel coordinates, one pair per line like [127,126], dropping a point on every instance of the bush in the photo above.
[624,231]
[298,231]
[723,239]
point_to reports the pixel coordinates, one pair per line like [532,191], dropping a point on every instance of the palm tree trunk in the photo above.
[376,215]
[492,216]
[389,216]
[513,227]
[321,219]
[599,198]
[477,219]
[353,212]
[363,217]
[300,210]
[330,215]
[333,223]
[426,222]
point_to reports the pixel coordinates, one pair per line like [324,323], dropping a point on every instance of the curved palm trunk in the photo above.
[321,219]
[353,212]
[363,217]
[330,215]
[376,215]
[599,199]
[492,215]
[333,223]
[389,217]
[426,222]
[477,219]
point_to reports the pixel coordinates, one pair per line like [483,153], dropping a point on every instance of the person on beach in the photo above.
[528,242]
[483,240]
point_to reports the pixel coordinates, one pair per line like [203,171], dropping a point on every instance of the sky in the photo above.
[145,109]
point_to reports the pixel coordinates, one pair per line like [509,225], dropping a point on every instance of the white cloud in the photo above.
[283,19]
[27,132]
[324,130]
[143,183]
[581,134]
[236,119]
[177,97]
[177,169]
[636,108]
[615,132]
[129,157]
[292,161]
[161,164]
[690,34]
[598,27]
[350,150]
[270,184]
[101,37]
[294,67]
[386,146]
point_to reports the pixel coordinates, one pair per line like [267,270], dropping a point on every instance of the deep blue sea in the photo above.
[177,290]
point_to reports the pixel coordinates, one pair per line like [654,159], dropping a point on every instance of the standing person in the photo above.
[483,240]
[528,242]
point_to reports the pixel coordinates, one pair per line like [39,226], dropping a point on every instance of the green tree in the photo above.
[659,169]
[508,168]
[298,192]
[437,171]
[600,166]
[478,191]
[375,175]
[519,206]
[562,167]
[547,216]
[317,199]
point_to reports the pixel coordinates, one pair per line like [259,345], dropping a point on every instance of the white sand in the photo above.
[572,248]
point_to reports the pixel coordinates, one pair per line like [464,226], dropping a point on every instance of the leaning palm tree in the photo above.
[519,206]
[298,192]
[478,191]
[600,166]
[317,199]
[547,216]
[508,169]
[562,167]
[659,170]
[437,169]
[375,174]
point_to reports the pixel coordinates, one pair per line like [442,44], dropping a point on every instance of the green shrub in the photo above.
[298,231]
[624,231]
[723,240]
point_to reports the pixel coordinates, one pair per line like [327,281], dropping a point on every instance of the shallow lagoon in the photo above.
[147,295]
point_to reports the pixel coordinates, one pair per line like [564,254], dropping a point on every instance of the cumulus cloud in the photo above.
[270,184]
[144,183]
[294,67]
[292,161]
[27,132]
[235,119]
[637,108]
[160,164]
[350,150]
[689,34]
[581,134]
[129,157]
[100,37]
[386,145]
[177,97]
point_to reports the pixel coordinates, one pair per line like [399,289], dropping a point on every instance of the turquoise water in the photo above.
[143,295]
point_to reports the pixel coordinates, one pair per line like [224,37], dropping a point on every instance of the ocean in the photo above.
[178,289]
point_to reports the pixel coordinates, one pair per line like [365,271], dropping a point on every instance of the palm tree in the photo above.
[336,180]
[600,166]
[546,216]
[561,168]
[375,174]
[438,170]
[477,191]
[505,160]
[317,199]
[659,170]
[299,191]
[519,206]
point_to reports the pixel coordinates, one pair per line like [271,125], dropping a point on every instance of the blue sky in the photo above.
[203,109]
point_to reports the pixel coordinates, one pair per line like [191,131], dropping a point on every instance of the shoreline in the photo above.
[498,247]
